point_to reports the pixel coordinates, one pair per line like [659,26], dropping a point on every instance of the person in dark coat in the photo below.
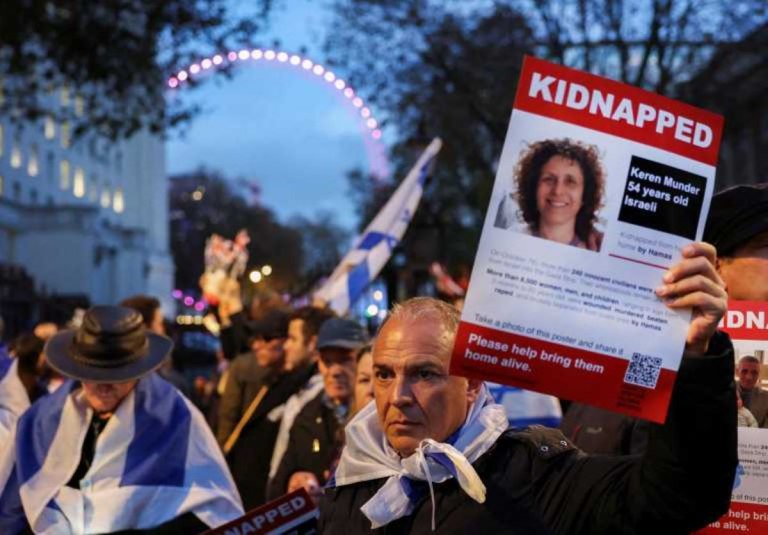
[315,438]
[435,453]
[258,388]
[599,431]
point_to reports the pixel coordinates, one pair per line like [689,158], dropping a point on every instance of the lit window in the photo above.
[32,167]
[65,139]
[106,198]
[16,154]
[117,201]
[49,127]
[64,96]
[78,186]
[64,174]
[79,105]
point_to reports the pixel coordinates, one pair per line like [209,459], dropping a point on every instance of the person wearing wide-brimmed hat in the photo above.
[116,447]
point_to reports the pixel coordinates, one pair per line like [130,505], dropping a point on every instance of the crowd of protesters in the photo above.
[99,432]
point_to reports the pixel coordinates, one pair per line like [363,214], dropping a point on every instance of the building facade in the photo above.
[84,216]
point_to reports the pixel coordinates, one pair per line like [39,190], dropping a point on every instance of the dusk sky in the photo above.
[287,129]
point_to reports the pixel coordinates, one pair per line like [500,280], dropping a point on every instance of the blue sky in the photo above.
[279,125]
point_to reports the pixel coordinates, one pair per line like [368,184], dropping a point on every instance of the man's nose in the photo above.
[401,391]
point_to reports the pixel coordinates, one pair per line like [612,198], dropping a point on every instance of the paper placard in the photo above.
[598,188]
[746,323]
[293,513]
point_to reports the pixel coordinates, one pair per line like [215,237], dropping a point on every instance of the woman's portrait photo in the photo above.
[559,186]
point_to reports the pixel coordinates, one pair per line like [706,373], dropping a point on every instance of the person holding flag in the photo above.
[115,447]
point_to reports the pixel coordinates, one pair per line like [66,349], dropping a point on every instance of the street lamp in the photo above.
[255,276]
[266,270]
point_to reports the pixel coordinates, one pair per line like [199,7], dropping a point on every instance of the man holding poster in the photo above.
[434,451]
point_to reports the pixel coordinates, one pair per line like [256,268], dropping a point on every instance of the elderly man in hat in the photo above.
[738,227]
[315,438]
[116,447]
[434,452]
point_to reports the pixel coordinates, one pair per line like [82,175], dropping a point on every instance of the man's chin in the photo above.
[403,445]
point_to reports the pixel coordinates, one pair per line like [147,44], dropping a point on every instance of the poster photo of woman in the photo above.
[558,190]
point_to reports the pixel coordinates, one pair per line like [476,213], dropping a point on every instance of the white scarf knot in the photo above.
[369,456]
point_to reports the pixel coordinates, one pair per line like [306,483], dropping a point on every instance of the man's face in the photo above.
[269,353]
[105,397]
[298,350]
[415,396]
[337,366]
[746,271]
[364,381]
[749,373]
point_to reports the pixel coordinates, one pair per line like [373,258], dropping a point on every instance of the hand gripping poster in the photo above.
[598,188]
[747,324]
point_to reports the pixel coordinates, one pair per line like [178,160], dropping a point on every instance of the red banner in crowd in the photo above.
[746,323]
[294,513]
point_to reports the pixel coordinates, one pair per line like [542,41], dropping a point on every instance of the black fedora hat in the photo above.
[112,345]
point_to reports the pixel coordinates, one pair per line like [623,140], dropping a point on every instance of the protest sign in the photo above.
[598,188]
[294,513]
[747,324]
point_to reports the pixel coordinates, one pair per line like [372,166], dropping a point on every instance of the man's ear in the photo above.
[473,389]
[312,343]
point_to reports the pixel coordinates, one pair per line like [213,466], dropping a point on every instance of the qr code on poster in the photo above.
[643,370]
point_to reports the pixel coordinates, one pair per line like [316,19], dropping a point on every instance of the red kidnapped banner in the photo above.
[746,320]
[741,518]
[293,513]
[608,106]
[566,372]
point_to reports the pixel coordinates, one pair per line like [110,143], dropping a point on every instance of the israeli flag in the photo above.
[525,407]
[155,460]
[13,399]
[374,247]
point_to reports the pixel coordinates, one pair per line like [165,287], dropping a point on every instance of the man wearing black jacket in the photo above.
[315,439]
[435,452]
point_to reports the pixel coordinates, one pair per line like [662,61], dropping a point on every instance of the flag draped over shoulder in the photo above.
[13,399]
[154,461]
[373,247]
[525,407]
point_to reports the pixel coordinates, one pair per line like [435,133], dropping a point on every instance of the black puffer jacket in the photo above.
[538,482]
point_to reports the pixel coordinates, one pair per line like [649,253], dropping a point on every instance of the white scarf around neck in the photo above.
[368,456]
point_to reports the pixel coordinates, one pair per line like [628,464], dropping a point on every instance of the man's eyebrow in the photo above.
[425,363]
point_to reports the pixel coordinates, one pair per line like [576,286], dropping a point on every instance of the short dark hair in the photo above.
[528,171]
[27,348]
[749,358]
[362,351]
[312,319]
[144,305]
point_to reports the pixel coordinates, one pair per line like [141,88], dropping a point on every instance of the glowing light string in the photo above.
[293,60]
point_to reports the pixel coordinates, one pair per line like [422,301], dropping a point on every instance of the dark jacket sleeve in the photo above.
[231,403]
[186,523]
[680,484]
[289,464]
